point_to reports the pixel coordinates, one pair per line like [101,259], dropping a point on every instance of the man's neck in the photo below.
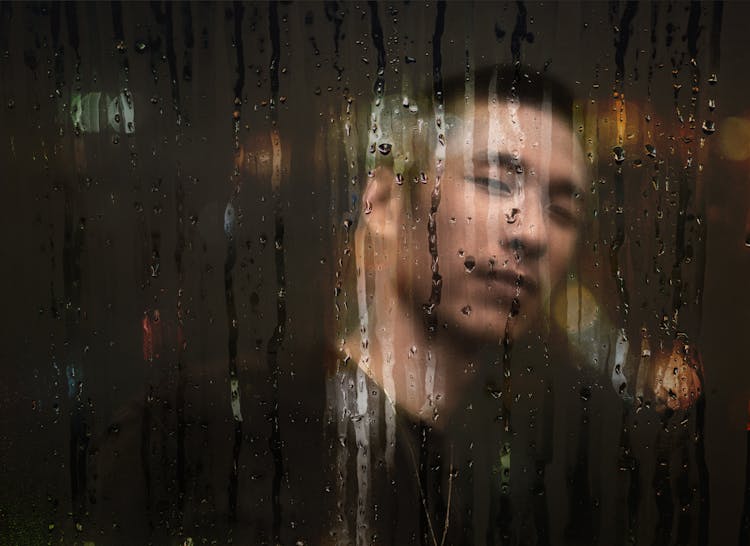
[427,374]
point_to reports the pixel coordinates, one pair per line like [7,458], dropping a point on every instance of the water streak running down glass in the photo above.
[390,273]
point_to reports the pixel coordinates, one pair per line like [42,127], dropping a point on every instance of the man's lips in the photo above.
[519,281]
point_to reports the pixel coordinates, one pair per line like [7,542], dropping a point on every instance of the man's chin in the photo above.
[481,331]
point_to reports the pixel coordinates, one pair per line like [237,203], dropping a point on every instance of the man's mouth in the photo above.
[522,283]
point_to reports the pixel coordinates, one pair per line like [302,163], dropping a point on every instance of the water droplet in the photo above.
[709,127]
[713,80]
[466,310]
[410,60]
[711,104]
[140,46]
[405,102]
[619,154]
[470,263]
[384,148]
[399,178]
[229,219]
[650,150]
[423,177]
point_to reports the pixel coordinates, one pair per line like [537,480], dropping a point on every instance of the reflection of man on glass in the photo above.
[492,236]
[468,225]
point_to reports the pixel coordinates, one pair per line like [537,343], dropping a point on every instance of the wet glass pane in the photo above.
[390,273]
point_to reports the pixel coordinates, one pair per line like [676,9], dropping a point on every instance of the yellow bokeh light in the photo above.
[576,309]
[734,138]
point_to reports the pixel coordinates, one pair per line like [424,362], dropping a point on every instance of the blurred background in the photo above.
[176,183]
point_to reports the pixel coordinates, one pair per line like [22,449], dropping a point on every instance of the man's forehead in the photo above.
[512,133]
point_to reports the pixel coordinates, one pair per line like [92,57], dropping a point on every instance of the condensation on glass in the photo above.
[351,273]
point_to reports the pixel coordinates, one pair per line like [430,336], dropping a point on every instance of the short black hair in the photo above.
[521,82]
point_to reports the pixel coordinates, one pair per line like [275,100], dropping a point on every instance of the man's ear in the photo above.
[382,204]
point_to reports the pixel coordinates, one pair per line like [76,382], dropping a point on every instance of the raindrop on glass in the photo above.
[384,148]
[709,127]
[585,393]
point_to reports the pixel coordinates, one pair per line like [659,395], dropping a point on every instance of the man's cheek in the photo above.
[561,251]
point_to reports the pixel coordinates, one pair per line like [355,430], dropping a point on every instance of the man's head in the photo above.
[482,248]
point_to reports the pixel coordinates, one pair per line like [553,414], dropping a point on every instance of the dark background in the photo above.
[102,229]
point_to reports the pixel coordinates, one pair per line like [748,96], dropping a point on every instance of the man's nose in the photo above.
[526,233]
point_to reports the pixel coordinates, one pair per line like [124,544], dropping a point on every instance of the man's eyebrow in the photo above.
[557,185]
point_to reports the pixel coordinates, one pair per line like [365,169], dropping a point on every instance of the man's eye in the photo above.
[563,215]
[493,185]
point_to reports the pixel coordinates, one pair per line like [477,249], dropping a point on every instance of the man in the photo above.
[473,248]
[468,224]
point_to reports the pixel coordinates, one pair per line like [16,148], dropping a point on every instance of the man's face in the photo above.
[507,222]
